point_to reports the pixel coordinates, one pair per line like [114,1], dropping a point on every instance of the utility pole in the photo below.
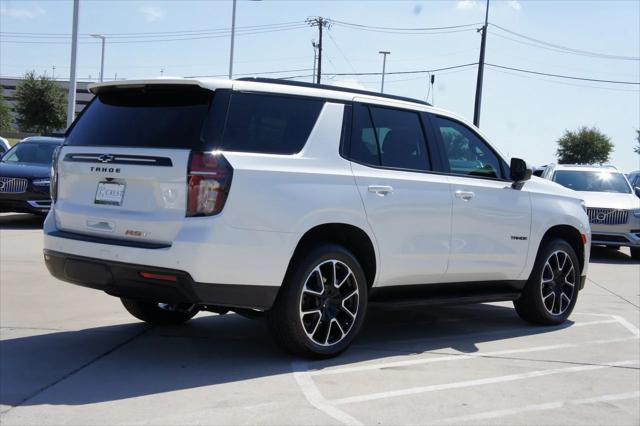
[384,54]
[315,58]
[319,22]
[483,43]
[71,98]
[53,73]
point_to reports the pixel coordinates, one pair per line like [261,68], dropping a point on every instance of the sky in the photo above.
[522,114]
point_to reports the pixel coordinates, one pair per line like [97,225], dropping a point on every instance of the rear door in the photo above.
[491,220]
[122,171]
[408,208]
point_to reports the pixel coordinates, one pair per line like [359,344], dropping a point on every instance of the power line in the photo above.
[155,40]
[404,29]
[177,32]
[408,32]
[570,77]
[407,72]
[565,48]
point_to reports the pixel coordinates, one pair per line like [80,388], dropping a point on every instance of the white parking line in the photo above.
[479,382]
[538,407]
[315,398]
[410,362]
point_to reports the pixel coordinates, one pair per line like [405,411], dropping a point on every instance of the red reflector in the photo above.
[584,239]
[163,277]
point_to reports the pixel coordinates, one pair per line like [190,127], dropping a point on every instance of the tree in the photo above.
[584,146]
[5,113]
[40,104]
[637,148]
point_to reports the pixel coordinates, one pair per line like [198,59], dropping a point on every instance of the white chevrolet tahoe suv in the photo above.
[302,203]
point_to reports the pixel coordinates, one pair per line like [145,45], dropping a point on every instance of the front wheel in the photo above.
[322,304]
[159,313]
[551,292]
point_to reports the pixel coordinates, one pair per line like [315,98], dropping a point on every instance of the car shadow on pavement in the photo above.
[132,360]
[21,221]
[611,256]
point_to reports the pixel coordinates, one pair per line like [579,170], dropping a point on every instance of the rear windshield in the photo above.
[31,153]
[156,116]
[593,181]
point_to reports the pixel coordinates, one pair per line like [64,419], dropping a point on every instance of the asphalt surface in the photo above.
[70,355]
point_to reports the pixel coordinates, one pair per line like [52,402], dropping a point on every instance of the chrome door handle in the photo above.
[381,190]
[465,195]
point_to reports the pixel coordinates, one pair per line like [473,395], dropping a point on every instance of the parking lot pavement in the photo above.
[70,355]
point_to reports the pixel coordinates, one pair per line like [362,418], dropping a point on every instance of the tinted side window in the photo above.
[400,139]
[388,137]
[269,124]
[364,146]
[466,152]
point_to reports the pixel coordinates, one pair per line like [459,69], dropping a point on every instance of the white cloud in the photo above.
[25,13]
[515,5]
[466,4]
[153,14]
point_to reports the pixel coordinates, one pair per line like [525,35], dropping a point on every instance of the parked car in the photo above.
[4,146]
[25,175]
[634,180]
[302,203]
[538,171]
[612,204]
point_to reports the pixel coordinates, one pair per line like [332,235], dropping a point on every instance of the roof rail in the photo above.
[334,88]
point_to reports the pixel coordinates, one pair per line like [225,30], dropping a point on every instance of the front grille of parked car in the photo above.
[12,185]
[608,216]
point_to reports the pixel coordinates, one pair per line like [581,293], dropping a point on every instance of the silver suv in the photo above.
[612,204]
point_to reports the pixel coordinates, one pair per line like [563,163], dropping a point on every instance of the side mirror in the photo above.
[637,189]
[520,171]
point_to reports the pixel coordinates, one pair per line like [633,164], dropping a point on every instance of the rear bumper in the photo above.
[124,280]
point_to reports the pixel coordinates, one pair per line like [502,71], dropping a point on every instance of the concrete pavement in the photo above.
[70,355]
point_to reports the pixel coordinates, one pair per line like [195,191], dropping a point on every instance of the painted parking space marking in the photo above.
[487,415]
[304,376]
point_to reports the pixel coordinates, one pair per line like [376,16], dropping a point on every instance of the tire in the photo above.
[635,253]
[152,313]
[327,283]
[554,279]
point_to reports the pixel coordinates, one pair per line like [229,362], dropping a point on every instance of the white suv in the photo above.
[302,203]
[613,205]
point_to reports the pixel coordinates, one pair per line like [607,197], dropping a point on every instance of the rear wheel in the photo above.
[635,252]
[321,306]
[551,292]
[159,313]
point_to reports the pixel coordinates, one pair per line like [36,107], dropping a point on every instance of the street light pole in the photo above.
[384,54]
[103,38]
[233,33]
[71,98]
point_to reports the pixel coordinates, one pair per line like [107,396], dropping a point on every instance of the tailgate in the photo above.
[125,193]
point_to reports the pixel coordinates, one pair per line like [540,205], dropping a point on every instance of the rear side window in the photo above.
[158,116]
[269,124]
[389,138]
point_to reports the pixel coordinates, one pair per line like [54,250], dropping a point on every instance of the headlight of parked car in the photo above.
[42,182]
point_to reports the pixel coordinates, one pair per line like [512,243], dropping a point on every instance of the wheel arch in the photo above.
[353,238]
[571,235]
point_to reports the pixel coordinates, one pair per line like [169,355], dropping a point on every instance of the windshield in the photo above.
[593,181]
[31,153]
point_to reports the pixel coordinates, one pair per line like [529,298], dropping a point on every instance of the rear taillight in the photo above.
[53,185]
[208,183]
